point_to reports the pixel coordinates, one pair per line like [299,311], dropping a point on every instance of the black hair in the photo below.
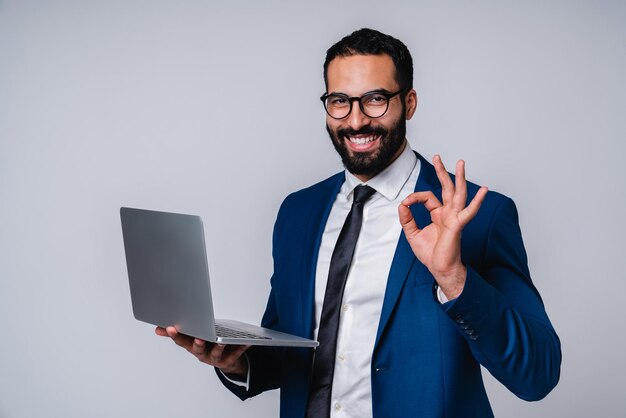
[372,42]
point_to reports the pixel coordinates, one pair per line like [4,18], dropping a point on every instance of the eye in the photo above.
[374,99]
[337,101]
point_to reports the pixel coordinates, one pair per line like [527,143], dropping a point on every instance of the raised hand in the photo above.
[228,358]
[438,245]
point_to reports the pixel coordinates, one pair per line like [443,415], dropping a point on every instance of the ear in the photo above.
[411,103]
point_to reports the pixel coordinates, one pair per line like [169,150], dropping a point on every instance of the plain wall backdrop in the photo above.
[212,108]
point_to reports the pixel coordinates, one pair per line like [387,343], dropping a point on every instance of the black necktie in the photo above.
[324,359]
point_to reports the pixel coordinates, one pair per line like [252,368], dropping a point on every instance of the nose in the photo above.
[356,118]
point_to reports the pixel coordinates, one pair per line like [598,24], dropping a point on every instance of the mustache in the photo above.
[366,130]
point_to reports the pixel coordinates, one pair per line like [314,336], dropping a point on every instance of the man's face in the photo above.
[368,145]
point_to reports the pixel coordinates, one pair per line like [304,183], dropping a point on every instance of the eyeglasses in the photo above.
[373,105]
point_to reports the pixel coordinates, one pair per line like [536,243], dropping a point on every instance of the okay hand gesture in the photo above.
[438,245]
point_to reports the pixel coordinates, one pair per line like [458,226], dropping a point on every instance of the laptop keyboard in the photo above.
[222,331]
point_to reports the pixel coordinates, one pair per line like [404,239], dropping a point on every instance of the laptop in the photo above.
[169,280]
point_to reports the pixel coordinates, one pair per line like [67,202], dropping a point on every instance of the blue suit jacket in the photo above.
[427,356]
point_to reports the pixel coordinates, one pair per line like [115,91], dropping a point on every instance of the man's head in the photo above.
[363,62]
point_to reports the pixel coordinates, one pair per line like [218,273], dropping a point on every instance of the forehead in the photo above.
[357,74]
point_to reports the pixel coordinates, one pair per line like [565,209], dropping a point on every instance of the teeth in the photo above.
[362,140]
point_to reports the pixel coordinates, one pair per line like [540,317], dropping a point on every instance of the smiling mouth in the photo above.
[361,139]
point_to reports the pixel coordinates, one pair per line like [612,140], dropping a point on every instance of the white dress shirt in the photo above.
[367,279]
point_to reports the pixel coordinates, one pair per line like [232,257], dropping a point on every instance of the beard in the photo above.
[369,163]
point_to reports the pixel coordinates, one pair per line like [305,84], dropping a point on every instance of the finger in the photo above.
[406,221]
[460,193]
[471,210]
[428,199]
[214,355]
[161,332]
[180,339]
[172,332]
[198,348]
[447,188]
[231,356]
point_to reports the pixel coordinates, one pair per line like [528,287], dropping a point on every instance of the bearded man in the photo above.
[409,278]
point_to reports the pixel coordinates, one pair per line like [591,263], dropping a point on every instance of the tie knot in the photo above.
[362,193]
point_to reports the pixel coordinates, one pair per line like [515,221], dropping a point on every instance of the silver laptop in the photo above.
[169,280]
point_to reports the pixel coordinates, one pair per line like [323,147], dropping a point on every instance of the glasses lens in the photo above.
[374,105]
[337,106]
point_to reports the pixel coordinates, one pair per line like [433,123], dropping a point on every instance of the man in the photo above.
[410,283]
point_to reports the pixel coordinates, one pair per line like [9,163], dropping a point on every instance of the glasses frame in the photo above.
[388,96]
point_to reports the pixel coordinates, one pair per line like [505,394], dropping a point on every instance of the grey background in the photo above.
[212,109]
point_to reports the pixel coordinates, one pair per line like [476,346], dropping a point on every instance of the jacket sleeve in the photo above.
[501,315]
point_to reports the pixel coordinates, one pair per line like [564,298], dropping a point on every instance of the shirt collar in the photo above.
[390,181]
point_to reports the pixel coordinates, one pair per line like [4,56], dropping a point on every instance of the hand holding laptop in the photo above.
[228,358]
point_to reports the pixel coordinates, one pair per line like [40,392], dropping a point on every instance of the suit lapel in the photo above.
[315,229]
[404,258]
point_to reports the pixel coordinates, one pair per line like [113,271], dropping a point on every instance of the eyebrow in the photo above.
[381,90]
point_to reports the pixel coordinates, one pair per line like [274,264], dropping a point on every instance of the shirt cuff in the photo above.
[241,383]
[441,297]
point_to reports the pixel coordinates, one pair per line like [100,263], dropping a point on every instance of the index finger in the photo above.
[447,187]
[181,339]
